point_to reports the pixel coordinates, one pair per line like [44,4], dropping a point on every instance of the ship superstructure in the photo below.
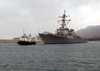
[26,40]
[63,34]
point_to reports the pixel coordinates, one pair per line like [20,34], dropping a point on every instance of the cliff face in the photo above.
[89,32]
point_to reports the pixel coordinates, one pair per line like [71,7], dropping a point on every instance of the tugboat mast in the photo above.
[63,19]
[23,31]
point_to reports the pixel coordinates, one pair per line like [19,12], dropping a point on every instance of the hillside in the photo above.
[89,32]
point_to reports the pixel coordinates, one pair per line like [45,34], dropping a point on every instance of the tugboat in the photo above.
[63,35]
[26,40]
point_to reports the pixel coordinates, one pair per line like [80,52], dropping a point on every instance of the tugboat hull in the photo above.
[26,43]
[54,39]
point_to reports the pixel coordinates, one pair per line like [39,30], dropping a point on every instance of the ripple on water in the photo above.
[50,57]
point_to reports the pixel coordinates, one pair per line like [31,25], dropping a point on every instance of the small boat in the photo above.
[26,40]
[26,43]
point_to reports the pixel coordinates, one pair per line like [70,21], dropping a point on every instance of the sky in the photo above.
[37,16]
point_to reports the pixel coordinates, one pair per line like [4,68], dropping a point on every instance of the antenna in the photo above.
[64,11]
[23,31]
[63,19]
[39,30]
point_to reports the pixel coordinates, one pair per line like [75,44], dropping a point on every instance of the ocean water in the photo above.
[50,57]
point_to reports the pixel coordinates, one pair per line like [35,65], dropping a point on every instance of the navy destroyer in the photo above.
[63,35]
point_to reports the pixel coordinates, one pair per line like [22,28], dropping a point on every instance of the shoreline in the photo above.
[14,41]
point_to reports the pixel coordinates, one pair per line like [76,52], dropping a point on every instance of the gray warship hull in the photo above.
[63,35]
[55,39]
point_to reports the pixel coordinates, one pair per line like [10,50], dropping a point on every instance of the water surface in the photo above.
[50,57]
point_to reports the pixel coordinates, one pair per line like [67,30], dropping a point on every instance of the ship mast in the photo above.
[63,19]
[23,32]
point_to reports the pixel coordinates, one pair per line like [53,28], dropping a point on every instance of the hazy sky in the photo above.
[37,16]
